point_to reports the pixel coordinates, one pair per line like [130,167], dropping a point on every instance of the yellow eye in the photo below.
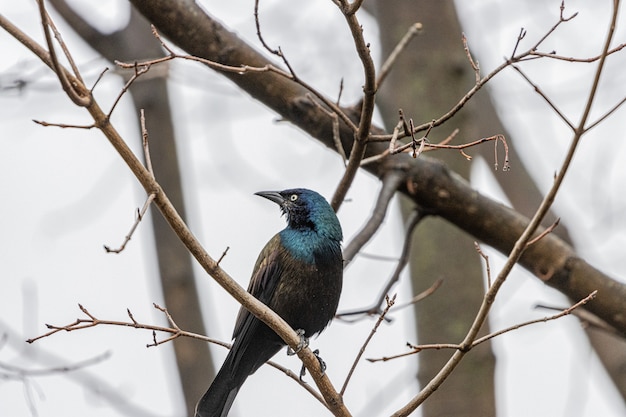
[293,197]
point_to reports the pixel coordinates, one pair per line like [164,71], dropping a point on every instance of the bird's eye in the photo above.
[293,197]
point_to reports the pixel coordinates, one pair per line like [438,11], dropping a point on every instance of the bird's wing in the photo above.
[263,281]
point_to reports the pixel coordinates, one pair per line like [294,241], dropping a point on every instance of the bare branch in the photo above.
[466,348]
[474,64]
[416,216]
[487,266]
[278,52]
[366,106]
[151,197]
[390,303]
[223,255]
[16,372]
[544,233]
[545,97]
[388,188]
[413,31]
[174,332]
[76,97]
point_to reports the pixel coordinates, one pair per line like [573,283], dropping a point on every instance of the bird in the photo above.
[299,275]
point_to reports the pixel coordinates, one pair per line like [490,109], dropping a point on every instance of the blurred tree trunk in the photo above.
[429,78]
[135,42]
[440,250]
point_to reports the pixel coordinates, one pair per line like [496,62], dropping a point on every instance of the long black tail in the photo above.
[218,399]
[243,359]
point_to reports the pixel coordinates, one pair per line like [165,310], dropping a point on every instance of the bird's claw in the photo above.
[303,343]
[316,352]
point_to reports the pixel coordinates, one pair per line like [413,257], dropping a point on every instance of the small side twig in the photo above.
[174,331]
[140,213]
[390,184]
[487,266]
[223,255]
[375,308]
[139,70]
[418,348]
[390,303]
[544,233]
[544,96]
[278,52]
[72,93]
[468,54]
[413,31]
[335,125]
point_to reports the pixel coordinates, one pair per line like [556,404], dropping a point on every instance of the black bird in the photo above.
[298,274]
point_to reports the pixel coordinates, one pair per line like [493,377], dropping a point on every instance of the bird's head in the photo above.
[306,209]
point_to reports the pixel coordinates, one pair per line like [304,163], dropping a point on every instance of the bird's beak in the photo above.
[272,196]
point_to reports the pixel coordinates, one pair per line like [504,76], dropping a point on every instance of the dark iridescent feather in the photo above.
[298,274]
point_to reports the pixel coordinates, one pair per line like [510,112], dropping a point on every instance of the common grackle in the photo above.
[298,274]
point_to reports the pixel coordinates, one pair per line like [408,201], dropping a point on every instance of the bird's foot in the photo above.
[316,352]
[303,343]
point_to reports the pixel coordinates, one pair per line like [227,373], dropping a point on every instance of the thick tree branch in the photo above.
[429,183]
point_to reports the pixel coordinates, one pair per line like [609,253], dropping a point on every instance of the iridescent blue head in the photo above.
[306,210]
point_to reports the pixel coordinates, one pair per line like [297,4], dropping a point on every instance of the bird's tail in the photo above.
[218,399]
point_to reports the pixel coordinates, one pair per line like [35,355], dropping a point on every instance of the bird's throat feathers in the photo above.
[308,245]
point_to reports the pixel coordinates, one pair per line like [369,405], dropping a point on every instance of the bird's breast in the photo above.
[309,285]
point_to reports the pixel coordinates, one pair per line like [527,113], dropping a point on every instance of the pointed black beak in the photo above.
[274,196]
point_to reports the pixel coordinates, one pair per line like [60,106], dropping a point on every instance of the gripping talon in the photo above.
[316,352]
[303,343]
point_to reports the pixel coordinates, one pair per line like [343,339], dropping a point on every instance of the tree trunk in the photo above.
[429,78]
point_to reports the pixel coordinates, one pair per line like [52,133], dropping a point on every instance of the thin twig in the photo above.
[335,125]
[278,52]
[174,331]
[82,101]
[389,185]
[544,233]
[138,71]
[420,296]
[223,255]
[553,55]
[605,115]
[17,372]
[375,308]
[414,30]
[366,106]
[63,125]
[465,348]
[563,313]
[390,303]
[544,96]
[145,142]
[138,217]
[487,266]
[475,66]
